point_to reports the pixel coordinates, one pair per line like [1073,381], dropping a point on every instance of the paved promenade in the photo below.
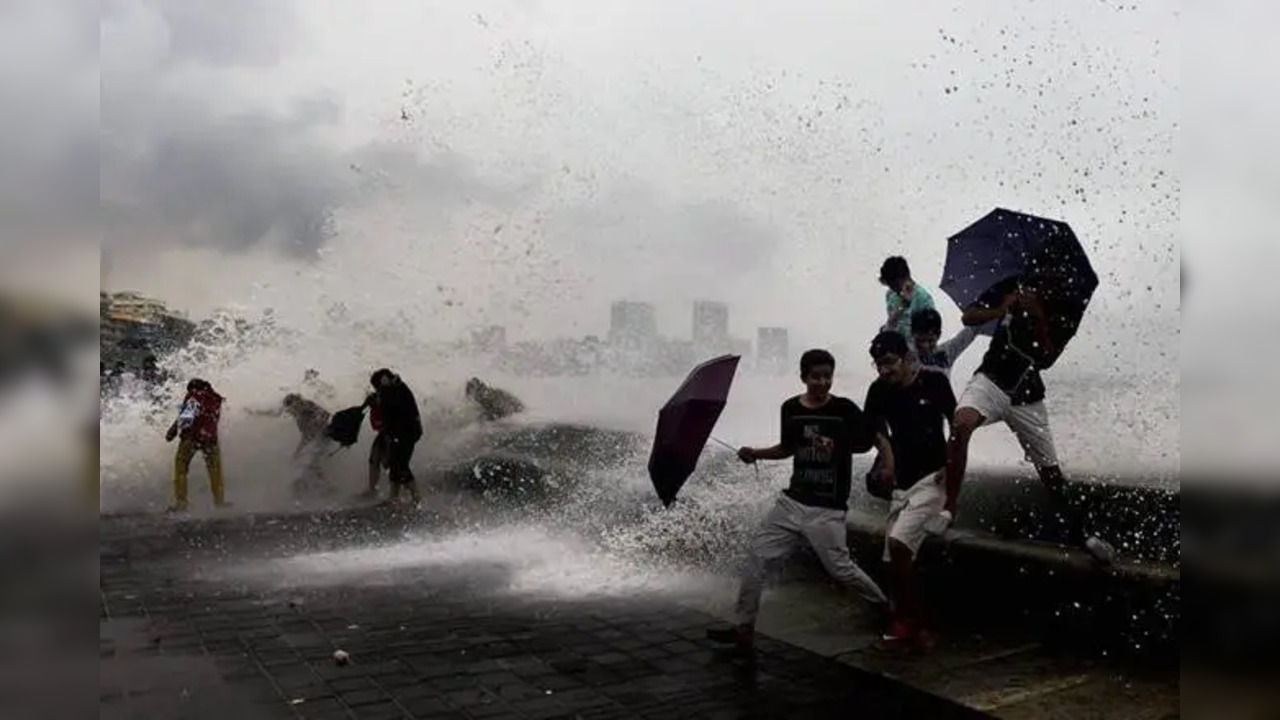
[177,642]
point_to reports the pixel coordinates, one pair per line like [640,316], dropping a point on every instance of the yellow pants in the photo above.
[182,464]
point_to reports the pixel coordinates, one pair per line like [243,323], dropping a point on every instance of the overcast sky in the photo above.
[525,162]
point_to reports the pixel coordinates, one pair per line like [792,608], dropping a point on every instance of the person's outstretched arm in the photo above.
[783,450]
[958,343]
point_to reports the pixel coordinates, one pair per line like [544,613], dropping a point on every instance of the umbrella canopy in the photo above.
[685,424]
[1041,254]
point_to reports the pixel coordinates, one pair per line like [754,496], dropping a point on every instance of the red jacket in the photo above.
[375,416]
[208,411]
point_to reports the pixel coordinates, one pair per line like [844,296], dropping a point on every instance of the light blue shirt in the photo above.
[920,300]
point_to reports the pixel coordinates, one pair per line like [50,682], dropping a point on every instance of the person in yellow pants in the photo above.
[187,450]
[197,430]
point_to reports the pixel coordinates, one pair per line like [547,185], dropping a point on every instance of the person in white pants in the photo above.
[910,405]
[820,432]
[1007,388]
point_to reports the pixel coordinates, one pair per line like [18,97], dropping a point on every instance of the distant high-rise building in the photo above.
[710,323]
[632,324]
[773,351]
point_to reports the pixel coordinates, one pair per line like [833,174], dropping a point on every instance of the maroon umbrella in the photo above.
[685,424]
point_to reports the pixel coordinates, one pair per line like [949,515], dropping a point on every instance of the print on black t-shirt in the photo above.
[1008,361]
[913,416]
[822,441]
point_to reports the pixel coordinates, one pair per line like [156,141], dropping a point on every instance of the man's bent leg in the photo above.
[981,403]
[908,616]
[915,509]
[1030,424]
[777,536]
[966,420]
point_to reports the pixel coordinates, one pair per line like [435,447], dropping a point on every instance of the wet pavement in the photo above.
[178,640]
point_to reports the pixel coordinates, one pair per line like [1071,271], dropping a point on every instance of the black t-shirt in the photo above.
[822,441]
[912,416]
[1008,361]
[399,411]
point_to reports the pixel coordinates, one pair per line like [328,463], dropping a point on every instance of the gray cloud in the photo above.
[184,160]
[179,166]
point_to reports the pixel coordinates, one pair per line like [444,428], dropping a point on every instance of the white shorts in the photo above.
[1029,423]
[914,513]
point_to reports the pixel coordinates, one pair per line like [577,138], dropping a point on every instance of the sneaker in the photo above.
[938,524]
[741,637]
[176,508]
[900,638]
[1101,550]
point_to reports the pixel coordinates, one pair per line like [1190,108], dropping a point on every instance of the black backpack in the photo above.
[344,426]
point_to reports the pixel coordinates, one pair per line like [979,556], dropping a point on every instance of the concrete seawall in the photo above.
[1003,563]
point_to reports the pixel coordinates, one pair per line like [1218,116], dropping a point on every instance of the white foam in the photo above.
[531,560]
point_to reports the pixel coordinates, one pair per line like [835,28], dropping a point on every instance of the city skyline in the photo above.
[633,338]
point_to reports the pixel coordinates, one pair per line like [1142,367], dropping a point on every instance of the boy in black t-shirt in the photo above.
[820,432]
[1007,388]
[909,405]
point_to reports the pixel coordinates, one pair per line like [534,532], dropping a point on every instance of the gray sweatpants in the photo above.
[788,525]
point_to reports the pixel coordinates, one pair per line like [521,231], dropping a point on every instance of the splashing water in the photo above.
[532,560]
[602,528]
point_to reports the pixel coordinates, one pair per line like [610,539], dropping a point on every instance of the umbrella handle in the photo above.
[722,443]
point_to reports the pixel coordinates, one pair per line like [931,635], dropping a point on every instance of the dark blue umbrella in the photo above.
[1041,253]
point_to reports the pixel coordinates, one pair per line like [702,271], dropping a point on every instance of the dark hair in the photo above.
[894,270]
[814,358]
[889,342]
[195,384]
[926,321]
[377,376]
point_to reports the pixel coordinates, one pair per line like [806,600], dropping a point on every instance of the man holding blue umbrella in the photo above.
[1028,281]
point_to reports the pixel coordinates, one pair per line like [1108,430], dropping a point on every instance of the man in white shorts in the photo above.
[910,406]
[1007,388]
